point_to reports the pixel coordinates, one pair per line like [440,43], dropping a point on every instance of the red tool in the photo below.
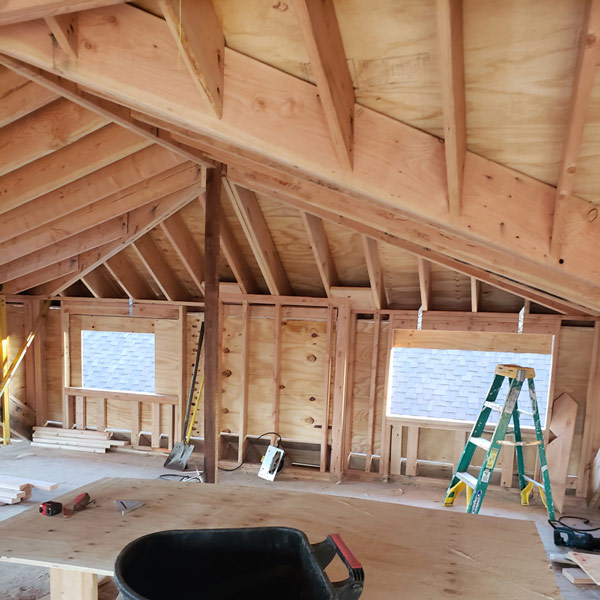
[50,508]
[79,503]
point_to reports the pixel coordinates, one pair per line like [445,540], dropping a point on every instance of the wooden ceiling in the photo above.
[330,118]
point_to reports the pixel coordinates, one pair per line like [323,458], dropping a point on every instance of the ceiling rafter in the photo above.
[95,214]
[186,248]
[424,268]
[48,129]
[153,259]
[323,40]
[587,59]
[301,139]
[20,97]
[44,275]
[101,284]
[16,11]
[199,37]
[375,269]
[118,114]
[319,243]
[452,74]
[77,195]
[140,221]
[80,158]
[130,280]
[252,220]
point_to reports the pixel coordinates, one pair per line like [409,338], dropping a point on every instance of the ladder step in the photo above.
[508,443]
[536,483]
[481,442]
[467,478]
[494,406]
[525,412]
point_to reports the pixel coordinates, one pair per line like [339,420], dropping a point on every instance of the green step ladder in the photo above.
[475,488]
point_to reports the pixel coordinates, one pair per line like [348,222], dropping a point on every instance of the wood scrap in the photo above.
[578,576]
[558,451]
[22,483]
[590,563]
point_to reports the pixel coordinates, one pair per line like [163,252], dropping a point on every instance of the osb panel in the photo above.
[574,352]
[449,290]
[290,239]
[361,384]
[401,277]
[231,374]
[348,255]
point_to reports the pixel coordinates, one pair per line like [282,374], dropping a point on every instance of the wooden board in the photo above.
[415,552]
[578,576]
[590,563]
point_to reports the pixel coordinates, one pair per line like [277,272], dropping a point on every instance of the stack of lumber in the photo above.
[589,571]
[17,489]
[83,440]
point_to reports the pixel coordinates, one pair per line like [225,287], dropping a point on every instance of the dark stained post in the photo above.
[212,334]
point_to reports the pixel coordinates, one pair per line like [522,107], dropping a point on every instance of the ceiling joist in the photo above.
[375,270]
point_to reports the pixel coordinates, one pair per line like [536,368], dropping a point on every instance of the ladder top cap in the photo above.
[512,371]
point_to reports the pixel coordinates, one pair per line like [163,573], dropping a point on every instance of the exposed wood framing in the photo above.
[67,401]
[161,272]
[589,52]
[15,11]
[452,74]
[323,41]
[412,445]
[320,247]
[130,280]
[64,30]
[350,389]
[373,393]
[326,395]
[181,239]
[54,126]
[199,37]
[300,140]
[275,407]
[388,435]
[63,268]
[211,318]
[139,221]
[244,406]
[475,294]
[101,284]
[424,267]
[340,385]
[255,227]
[375,272]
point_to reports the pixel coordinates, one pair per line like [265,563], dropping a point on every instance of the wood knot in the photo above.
[571,169]
[309,420]
[592,214]
[225,411]
[227,373]
[311,358]
[312,399]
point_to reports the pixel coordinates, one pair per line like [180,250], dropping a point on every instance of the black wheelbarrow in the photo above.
[226,564]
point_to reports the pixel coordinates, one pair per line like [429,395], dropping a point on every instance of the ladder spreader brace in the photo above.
[475,488]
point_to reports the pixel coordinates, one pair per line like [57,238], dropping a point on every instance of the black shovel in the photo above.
[181,452]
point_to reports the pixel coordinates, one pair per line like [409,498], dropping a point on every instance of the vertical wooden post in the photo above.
[135,423]
[396,449]
[384,459]
[243,424]
[327,393]
[79,412]
[212,334]
[5,399]
[182,390]
[412,450]
[592,414]
[41,402]
[31,394]
[276,371]
[101,414]
[67,401]
[155,434]
[460,441]
[373,392]
[339,390]
[67,584]
[350,388]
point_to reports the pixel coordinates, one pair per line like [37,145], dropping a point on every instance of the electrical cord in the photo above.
[580,530]
[258,438]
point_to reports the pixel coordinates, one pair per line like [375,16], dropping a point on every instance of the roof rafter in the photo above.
[161,272]
[112,179]
[16,11]
[101,284]
[46,130]
[99,212]
[317,237]
[252,220]
[452,72]
[200,39]
[139,221]
[80,158]
[190,255]
[323,41]
[587,59]
[44,275]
